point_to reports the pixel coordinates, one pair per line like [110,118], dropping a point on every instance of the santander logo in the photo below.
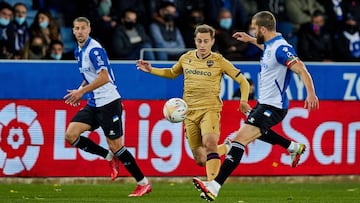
[21,137]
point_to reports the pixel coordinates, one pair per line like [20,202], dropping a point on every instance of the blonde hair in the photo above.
[82,19]
[204,28]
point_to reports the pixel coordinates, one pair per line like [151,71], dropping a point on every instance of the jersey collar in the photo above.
[273,40]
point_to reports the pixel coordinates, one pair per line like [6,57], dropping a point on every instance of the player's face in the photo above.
[260,39]
[204,43]
[81,31]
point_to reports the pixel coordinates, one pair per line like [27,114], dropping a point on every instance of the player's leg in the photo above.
[295,149]
[82,122]
[262,117]
[245,135]
[224,148]
[210,130]
[110,122]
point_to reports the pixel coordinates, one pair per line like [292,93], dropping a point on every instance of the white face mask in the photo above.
[4,22]
[226,23]
[56,56]
[20,20]
[44,24]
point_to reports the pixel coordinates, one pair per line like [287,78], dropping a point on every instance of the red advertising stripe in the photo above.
[32,141]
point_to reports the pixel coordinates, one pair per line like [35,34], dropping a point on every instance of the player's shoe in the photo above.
[205,193]
[295,156]
[141,190]
[228,144]
[114,165]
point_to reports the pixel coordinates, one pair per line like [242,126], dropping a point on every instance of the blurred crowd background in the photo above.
[319,30]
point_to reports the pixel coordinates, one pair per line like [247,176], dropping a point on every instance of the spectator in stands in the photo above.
[56,50]
[18,30]
[238,12]
[6,15]
[353,7]
[316,41]
[130,37]
[35,48]
[166,34]
[347,41]
[195,18]
[45,26]
[226,44]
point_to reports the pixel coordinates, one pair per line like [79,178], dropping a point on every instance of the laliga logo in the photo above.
[20,139]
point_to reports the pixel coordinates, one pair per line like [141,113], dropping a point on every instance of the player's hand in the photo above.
[73,97]
[244,107]
[243,36]
[311,102]
[143,65]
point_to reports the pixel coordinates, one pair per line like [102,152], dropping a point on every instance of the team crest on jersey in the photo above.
[210,63]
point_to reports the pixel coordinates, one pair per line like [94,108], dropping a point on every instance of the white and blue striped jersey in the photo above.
[91,59]
[275,73]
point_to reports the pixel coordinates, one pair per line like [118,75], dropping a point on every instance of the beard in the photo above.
[260,39]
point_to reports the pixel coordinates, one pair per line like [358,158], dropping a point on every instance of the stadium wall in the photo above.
[33,119]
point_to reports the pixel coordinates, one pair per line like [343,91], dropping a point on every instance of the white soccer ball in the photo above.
[175,110]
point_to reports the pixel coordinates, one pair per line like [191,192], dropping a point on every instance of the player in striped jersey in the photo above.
[103,109]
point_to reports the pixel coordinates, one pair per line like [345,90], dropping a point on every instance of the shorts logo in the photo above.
[267,113]
[21,137]
[251,120]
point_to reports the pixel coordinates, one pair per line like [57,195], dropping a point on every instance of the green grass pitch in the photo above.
[167,191]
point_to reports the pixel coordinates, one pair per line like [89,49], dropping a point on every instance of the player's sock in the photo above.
[221,149]
[88,145]
[273,138]
[212,165]
[109,156]
[231,161]
[144,181]
[293,147]
[129,162]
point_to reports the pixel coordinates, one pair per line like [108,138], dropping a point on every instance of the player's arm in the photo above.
[236,75]
[311,101]
[162,72]
[244,37]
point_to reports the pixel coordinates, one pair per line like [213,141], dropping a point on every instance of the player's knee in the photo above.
[71,136]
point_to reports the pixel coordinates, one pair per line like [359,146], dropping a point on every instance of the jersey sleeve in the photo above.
[99,58]
[172,72]
[286,55]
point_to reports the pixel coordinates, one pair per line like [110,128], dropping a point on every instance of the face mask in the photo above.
[196,20]
[56,56]
[129,25]
[4,22]
[20,20]
[226,23]
[36,49]
[44,24]
[168,18]
[350,29]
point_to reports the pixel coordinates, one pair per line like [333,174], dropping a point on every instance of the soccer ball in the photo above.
[175,110]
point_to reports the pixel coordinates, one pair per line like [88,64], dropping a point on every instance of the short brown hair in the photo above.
[266,19]
[82,19]
[205,29]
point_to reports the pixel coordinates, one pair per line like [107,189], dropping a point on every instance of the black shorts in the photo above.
[265,116]
[107,117]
